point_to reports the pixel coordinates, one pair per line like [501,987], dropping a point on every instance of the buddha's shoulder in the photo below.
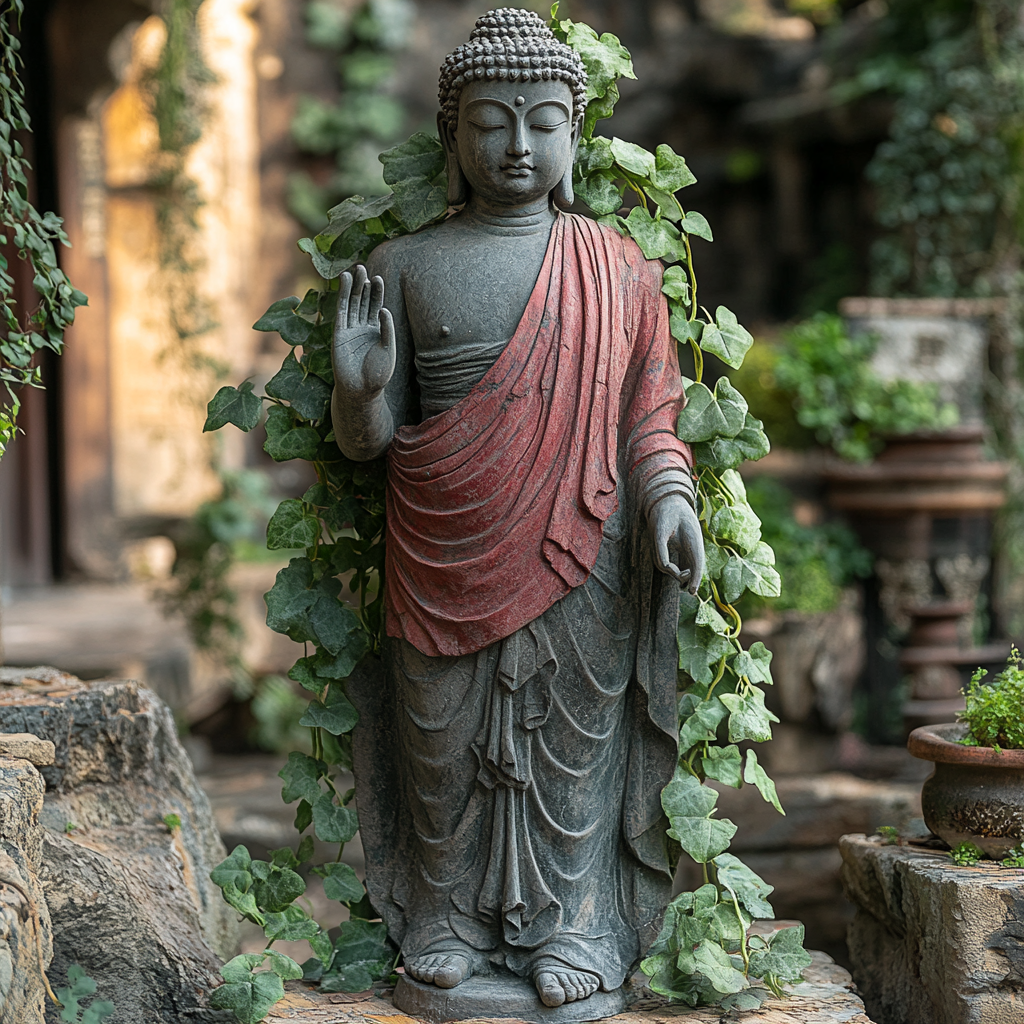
[398,254]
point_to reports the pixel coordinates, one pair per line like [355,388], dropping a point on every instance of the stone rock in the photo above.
[933,943]
[26,934]
[28,747]
[130,900]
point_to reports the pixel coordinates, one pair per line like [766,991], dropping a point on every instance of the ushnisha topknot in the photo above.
[512,45]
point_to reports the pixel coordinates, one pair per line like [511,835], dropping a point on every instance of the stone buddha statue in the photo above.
[515,366]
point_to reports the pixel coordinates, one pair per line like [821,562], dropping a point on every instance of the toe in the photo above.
[550,991]
[572,990]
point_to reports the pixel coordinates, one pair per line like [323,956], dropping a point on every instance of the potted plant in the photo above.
[976,793]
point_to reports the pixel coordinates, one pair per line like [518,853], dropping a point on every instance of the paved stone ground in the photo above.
[826,996]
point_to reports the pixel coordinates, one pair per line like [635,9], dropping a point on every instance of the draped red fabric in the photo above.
[495,507]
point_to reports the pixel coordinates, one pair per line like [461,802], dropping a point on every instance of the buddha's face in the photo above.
[514,140]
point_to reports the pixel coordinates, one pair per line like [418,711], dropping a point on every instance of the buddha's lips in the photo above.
[518,170]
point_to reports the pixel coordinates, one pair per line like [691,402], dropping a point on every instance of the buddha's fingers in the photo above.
[356,302]
[376,298]
[344,294]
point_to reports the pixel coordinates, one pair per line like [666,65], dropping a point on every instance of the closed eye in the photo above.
[547,127]
[486,127]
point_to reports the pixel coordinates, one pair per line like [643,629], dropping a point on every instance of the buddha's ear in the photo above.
[458,187]
[562,193]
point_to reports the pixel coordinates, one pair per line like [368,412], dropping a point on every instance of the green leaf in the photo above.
[666,203]
[249,1000]
[656,238]
[284,966]
[327,267]
[670,170]
[708,615]
[699,649]
[341,218]
[234,870]
[708,415]
[599,108]
[333,824]
[683,329]
[593,155]
[308,395]
[696,224]
[755,663]
[634,158]
[689,806]
[755,775]
[337,716]
[749,719]
[287,441]
[281,888]
[302,776]
[727,338]
[292,924]
[714,963]
[308,610]
[281,317]
[604,57]
[739,524]
[243,902]
[362,956]
[750,890]
[291,526]
[728,453]
[785,959]
[238,406]
[599,193]
[699,720]
[724,764]
[676,284]
[742,574]
[341,883]
[418,202]
[420,156]
[82,986]
[303,817]
[304,672]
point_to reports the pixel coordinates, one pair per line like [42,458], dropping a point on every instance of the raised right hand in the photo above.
[363,355]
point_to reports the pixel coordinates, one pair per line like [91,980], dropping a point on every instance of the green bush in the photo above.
[995,711]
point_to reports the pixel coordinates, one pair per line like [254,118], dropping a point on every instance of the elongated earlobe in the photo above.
[562,193]
[458,187]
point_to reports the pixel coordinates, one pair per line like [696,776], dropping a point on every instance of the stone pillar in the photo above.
[933,943]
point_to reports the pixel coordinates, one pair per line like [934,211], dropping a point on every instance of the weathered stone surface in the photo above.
[26,935]
[130,901]
[933,943]
[826,996]
[27,747]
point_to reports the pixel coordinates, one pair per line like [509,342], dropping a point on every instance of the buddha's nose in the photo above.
[518,145]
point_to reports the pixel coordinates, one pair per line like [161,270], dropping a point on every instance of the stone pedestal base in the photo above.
[933,943]
[497,996]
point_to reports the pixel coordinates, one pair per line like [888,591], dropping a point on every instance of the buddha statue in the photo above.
[514,365]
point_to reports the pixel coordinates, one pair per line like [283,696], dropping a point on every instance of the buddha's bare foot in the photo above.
[445,970]
[558,983]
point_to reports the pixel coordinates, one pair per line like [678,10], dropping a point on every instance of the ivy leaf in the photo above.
[287,441]
[304,672]
[340,666]
[633,158]
[715,559]
[682,328]
[750,890]
[593,155]
[238,406]
[750,444]
[699,649]
[292,924]
[689,806]
[715,964]
[281,888]
[598,191]
[749,719]
[656,238]
[708,615]
[346,215]
[333,824]
[755,775]
[708,415]
[676,284]
[323,948]
[699,720]
[243,902]
[327,267]
[599,108]
[283,966]
[308,395]
[421,156]
[724,764]
[302,775]
[341,883]
[604,57]
[234,870]
[250,1000]
[337,716]
[291,526]
[755,664]
[308,610]
[303,817]
[418,202]
[742,574]
[362,956]
[670,170]
[749,999]
[727,338]
[696,224]
[739,524]
[785,959]
[281,317]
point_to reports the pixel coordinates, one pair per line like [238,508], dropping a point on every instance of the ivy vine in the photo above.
[704,953]
[26,333]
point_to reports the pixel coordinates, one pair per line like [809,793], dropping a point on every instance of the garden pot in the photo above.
[975,794]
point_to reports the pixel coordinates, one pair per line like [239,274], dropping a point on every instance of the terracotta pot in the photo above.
[975,794]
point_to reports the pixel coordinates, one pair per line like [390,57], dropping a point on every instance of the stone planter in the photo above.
[975,794]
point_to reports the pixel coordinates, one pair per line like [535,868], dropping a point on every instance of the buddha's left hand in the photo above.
[677,541]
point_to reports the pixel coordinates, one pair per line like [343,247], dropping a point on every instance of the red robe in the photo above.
[495,507]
